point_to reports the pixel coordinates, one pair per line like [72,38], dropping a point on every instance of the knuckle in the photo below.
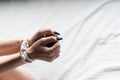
[42,40]
[58,52]
[50,60]
[57,56]
[50,57]
[52,37]
[39,32]
[46,51]
[49,54]
[48,30]
[50,51]
[58,44]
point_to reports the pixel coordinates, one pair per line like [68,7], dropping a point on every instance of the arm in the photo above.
[37,50]
[8,60]
[9,46]
[17,74]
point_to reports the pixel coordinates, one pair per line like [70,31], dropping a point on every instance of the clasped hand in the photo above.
[39,46]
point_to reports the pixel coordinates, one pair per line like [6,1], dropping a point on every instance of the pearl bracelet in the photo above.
[23,54]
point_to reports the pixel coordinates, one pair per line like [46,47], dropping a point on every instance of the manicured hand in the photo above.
[39,48]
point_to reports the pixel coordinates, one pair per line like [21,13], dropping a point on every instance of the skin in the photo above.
[10,57]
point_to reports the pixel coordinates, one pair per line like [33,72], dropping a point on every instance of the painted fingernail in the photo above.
[59,38]
[56,33]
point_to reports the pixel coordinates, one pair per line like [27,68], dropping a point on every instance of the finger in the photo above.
[55,46]
[56,55]
[48,32]
[44,59]
[49,52]
[57,51]
[43,33]
[47,40]
[44,41]
[49,59]
[54,52]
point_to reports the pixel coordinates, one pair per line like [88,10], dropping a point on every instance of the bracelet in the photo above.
[23,54]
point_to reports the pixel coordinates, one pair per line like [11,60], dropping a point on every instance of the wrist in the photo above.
[30,54]
[24,52]
[29,41]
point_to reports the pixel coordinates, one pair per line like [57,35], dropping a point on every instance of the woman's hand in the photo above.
[40,34]
[38,46]
[44,46]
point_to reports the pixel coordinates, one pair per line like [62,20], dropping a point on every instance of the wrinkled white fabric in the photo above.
[90,49]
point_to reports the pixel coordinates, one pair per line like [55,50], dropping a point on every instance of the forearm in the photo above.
[17,74]
[37,50]
[9,62]
[9,46]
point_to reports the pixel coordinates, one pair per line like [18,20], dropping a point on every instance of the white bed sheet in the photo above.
[90,49]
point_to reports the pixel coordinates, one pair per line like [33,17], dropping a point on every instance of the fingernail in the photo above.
[59,38]
[56,33]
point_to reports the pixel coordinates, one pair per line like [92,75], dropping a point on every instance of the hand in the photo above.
[40,50]
[40,34]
